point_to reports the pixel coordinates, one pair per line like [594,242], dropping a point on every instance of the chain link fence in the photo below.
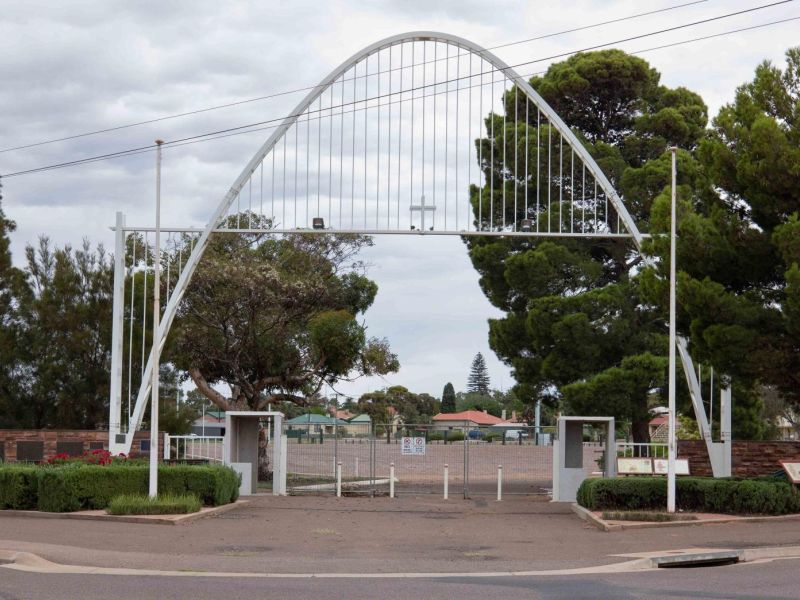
[418,454]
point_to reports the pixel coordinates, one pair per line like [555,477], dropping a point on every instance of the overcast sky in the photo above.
[75,66]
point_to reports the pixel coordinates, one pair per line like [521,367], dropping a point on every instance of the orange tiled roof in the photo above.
[476,416]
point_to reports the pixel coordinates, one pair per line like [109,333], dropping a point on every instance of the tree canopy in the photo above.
[276,319]
[448,398]
[413,409]
[478,379]
[573,309]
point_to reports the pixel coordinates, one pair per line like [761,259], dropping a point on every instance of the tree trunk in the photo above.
[640,430]
[264,466]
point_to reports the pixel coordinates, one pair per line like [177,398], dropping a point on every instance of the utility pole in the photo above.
[672,309]
[156,337]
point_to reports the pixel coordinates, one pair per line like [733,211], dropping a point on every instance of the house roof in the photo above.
[659,420]
[210,420]
[476,416]
[315,419]
[362,418]
[343,414]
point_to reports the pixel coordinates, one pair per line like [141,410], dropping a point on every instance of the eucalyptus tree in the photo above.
[276,319]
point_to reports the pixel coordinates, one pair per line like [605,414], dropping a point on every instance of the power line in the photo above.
[259,126]
[309,88]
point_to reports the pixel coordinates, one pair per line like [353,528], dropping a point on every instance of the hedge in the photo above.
[74,487]
[18,486]
[731,496]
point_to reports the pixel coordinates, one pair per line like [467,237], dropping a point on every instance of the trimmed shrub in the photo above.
[18,487]
[455,436]
[76,487]
[694,494]
[164,504]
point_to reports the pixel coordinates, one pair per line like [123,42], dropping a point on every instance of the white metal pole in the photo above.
[156,341]
[391,480]
[499,482]
[117,331]
[446,480]
[672,341]
[339,479]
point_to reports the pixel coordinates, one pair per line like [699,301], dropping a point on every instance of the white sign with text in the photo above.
[414,446]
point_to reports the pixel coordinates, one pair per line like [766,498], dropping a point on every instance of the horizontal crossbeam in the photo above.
[535,234]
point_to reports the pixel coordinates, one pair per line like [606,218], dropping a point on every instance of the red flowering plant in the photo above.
[98,456]
[59,459]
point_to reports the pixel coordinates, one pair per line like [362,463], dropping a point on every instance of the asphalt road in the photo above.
[762,581]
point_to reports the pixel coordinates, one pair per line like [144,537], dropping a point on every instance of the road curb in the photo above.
[604,525]
[29,562]
[204,512]
[592,518]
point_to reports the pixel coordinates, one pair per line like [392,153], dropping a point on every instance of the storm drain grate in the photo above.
[694,561]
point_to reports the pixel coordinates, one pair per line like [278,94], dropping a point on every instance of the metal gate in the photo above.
[420,457]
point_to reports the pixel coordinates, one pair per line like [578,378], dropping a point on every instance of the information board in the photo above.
[413,446]
[660,466]
[635,466]
[792,471]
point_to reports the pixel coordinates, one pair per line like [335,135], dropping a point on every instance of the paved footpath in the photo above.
[379,535]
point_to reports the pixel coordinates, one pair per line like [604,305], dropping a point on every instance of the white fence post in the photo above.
[356,467]
[446,482]
[339,479]
[499,482]
[279,477]
[166,446]
[391,480]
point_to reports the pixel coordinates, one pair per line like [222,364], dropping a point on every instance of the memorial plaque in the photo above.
[634,466]
[30,451]
[96,446]
[661,465]
[792,470]
[69,448]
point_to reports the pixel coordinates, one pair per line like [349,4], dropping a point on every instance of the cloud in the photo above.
[84,65]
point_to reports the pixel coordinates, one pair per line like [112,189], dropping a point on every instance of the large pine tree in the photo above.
[478,380]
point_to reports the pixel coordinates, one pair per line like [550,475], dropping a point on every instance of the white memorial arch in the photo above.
[385,144]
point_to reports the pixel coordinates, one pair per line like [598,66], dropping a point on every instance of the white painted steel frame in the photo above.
[248,171]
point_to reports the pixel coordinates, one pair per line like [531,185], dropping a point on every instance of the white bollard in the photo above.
[391,480]
[499,482]
[356,467]
[446,478]
[339,480]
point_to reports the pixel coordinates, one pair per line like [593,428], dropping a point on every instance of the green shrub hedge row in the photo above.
[76,486]
[18,487]
[164,504]
[730,496]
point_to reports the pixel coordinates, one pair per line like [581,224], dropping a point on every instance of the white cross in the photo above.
[422,208]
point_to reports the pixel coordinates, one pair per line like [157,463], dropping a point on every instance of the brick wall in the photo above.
[53,439]
[749,459]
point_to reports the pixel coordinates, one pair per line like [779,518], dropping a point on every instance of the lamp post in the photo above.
[671,383]
[156,338]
